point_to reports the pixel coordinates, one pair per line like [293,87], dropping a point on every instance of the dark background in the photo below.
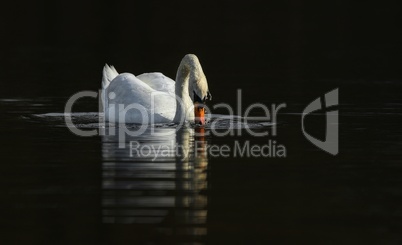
[255,43]
[275,51]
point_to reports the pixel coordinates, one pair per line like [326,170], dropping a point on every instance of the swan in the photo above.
[154,97]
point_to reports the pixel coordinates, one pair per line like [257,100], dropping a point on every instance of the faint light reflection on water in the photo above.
[165,188]
[58,183]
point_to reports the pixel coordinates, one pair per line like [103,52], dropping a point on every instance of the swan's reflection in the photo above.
[159,178]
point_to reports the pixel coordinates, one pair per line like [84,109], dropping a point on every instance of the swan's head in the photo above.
[198,88]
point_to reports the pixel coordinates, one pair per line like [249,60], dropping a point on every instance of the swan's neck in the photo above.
[187,72]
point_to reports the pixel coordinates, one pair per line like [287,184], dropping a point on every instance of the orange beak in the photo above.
[199,113]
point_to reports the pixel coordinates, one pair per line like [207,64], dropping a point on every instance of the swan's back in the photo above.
[127,92]
[158,81]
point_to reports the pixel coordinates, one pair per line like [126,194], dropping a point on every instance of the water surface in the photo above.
[62,188]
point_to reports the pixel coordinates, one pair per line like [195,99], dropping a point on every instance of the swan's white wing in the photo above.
[158,81]
[127,92]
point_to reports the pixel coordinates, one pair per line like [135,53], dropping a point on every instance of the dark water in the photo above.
[61,188]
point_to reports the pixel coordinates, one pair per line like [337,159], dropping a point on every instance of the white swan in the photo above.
[155,98]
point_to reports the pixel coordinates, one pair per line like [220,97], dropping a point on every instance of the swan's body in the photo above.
[153,97]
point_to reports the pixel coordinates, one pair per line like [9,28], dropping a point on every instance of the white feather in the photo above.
[109,73]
